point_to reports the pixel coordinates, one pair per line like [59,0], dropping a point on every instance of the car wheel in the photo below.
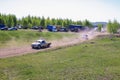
[48,46]
[32,47]
[39,47]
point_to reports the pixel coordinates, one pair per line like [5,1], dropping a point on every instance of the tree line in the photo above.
[113,26]
[11,20]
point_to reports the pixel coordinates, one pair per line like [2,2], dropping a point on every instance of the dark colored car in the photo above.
[63,30]
[4,28]
[35,28]
[76,28]
[51,28]
[12,29]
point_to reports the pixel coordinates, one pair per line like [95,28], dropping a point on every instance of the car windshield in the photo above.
[38,41]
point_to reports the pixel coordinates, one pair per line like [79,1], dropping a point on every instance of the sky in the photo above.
[92,10]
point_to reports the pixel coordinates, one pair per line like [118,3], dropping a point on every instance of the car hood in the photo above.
[35,43]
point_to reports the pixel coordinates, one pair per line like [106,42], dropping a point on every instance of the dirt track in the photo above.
[16,51]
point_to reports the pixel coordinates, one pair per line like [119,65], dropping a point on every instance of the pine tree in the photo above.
[42,23]
[87,23]
[100,27]
[112,27]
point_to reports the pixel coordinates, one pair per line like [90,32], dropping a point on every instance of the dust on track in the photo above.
[17,51]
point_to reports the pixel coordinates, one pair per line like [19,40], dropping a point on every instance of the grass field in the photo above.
[23,37]
[98,59]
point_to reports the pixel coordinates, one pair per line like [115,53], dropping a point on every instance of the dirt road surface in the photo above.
[17,51]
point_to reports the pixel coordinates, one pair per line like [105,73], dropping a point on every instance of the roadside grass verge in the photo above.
[97,59]
[23,37]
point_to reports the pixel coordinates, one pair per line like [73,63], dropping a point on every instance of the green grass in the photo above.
[23,37]
[94,60]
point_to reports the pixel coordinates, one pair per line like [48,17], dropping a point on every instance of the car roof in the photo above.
[40,40]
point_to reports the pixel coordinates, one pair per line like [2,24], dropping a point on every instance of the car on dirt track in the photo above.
[40,44]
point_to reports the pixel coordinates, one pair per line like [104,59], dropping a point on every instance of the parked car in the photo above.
[63,29]
[2,25]
[51,28]
[12,29]
[40,44]
[4,28]
[76,28]
[35,28]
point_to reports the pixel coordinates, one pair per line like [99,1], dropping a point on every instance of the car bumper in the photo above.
[34,46]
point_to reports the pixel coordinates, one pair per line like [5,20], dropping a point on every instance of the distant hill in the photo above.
[96,23]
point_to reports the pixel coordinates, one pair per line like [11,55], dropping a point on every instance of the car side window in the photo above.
[43,41]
